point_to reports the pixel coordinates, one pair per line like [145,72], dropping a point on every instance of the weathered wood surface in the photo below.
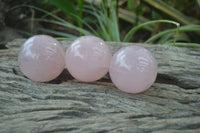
[172,104]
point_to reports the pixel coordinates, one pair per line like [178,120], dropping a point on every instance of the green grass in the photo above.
[106,26]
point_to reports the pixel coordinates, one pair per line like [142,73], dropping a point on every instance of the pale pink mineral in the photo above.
[41,58]
[88,58]
[133,69]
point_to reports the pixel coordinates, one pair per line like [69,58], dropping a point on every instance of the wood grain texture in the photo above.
[172,104]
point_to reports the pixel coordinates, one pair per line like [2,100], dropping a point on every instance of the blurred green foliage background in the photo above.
[146,21]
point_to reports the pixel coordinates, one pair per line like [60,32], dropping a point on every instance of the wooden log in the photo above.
[172,104]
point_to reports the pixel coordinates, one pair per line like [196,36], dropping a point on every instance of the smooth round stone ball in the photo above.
[41,58]
[88,58]
[133,69]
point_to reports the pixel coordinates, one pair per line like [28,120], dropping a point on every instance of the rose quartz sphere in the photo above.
[133,69]
[41,58]
[88,58]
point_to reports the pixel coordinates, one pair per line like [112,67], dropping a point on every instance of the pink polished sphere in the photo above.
[88,58]
[133,69]
[41,58]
